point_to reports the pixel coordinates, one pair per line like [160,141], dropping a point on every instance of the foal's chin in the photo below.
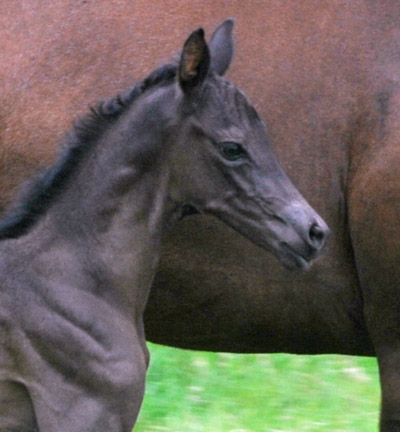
[293,262]
[289,259]
[286,252]
[287,255]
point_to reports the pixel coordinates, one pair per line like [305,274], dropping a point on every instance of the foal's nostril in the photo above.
[317,235]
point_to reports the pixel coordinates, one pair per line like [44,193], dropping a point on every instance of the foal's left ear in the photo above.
[222,46]
[195,61]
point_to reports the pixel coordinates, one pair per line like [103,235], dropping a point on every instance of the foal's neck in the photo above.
[113,213]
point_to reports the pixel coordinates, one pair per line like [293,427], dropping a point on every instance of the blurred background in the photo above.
[216,392]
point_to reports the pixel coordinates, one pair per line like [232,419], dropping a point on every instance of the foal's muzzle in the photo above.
[306,235]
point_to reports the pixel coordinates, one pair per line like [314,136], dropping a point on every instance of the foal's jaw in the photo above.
[296,235]
[271,213]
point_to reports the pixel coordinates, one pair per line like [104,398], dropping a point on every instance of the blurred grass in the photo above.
[190,391]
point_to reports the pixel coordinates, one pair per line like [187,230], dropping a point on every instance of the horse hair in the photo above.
[39,193]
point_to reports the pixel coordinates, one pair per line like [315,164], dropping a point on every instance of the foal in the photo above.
[78,254]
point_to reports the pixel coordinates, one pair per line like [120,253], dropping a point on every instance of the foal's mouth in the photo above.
[294,260]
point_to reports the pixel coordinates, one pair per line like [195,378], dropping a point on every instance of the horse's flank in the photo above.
[325,77]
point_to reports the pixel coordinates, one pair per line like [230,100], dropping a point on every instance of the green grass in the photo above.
[191,391]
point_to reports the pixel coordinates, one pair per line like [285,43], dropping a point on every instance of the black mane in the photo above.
[40,193]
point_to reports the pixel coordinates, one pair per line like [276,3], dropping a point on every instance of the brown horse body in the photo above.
[325,77]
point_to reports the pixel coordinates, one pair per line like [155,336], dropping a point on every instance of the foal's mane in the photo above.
[40,193]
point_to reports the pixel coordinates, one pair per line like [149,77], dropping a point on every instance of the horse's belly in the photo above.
[216,291]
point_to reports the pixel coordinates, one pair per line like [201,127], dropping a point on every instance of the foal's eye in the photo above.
[231,151]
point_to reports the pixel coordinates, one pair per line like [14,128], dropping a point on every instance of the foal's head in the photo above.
[223,163]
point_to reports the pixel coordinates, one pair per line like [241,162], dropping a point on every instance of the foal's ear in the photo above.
[195,61]
[222,46]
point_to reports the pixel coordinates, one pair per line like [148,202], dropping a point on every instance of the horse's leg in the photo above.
[99,388]
[92,404]
[374,204]
[16,409]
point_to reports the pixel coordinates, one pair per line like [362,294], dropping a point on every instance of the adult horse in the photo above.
[325,76]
